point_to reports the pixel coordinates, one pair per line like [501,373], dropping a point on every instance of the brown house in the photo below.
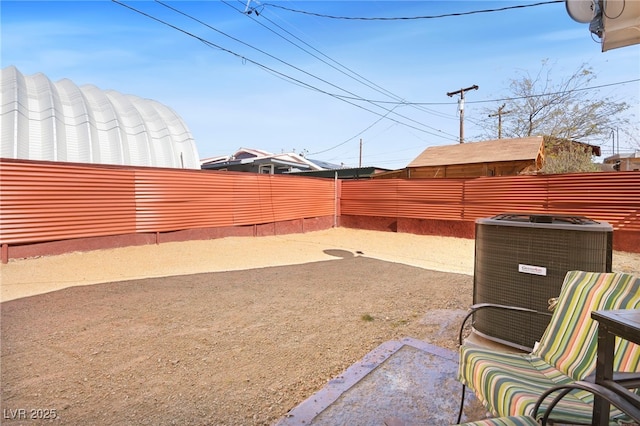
[500,157]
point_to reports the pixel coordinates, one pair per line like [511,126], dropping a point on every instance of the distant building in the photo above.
[346,173]
[500,157]
[623,162]
[259,161]
[43,120]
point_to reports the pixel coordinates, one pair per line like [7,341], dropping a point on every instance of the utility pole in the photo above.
[360,161]
[499,115]
[461,106]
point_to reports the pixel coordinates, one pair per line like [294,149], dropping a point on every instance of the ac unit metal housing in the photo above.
[521,260]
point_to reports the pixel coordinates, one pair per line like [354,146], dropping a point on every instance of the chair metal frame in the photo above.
[472,310]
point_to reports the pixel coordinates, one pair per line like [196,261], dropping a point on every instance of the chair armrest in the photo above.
[627,379]
[478,306]
[612,397]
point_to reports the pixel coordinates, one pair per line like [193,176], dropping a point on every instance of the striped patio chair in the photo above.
[505,421]
[509,384]
[559,392]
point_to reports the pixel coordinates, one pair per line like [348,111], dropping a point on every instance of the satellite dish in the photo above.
[582,11]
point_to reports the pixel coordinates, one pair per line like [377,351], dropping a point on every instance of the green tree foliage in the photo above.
[564,109]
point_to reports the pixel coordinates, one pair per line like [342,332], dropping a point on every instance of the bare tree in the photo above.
[566,109]
[632,133]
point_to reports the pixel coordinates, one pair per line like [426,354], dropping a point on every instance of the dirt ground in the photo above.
[185,334]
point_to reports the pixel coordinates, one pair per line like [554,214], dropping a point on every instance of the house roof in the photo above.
[256,156]
[325,164]
[619,156]
[345,173]
[480,152]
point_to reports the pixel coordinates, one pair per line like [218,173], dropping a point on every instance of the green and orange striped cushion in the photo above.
[505,421]
[509,384]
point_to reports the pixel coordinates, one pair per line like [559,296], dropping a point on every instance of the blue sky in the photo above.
[243,82]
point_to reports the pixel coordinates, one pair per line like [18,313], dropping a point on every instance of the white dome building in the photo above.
[42,120]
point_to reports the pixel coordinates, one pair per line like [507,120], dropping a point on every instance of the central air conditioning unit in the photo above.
[521,260]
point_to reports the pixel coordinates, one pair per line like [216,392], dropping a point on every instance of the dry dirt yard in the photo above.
[129,336]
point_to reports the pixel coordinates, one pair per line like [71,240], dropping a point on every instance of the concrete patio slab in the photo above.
[400,383]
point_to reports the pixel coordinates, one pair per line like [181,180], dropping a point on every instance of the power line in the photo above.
[408,18]
[285,76]
[356,135]
[355,97]
[344,69]
[619,83]
[351,74]
[366,82]
[342,97]
[558,93]
[257,49]
[244,58]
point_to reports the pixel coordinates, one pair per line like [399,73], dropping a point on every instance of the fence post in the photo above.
[335,200]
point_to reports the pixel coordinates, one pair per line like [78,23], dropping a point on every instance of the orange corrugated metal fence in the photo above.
[612,197]
[412,198]
[48,202]
[486,197]
[45,201]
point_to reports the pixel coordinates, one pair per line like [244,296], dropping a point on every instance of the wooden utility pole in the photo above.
[461,105]
[499,115]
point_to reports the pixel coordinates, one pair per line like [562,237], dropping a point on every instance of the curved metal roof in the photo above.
[43,120]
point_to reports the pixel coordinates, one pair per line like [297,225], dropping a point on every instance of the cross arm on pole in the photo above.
[461,93]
